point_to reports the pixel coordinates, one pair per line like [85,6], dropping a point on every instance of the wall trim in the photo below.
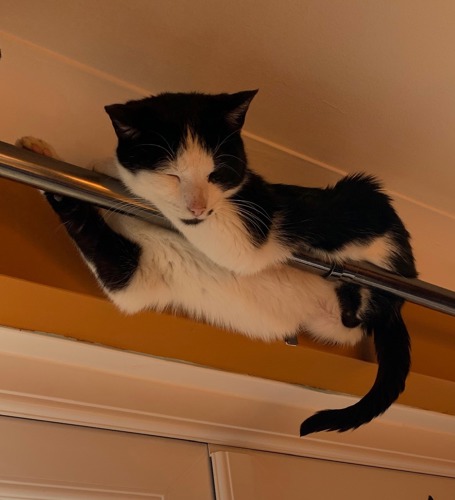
[55,491]
[51,378]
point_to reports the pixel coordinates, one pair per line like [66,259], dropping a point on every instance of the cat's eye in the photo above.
[174,176]
[214,176]
[221,175]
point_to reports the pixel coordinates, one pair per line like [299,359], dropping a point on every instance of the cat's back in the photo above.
[349,220]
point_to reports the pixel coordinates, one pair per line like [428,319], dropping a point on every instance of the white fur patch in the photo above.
[377,252]
[225,240]
[269,305]
[221,235]
[181,187]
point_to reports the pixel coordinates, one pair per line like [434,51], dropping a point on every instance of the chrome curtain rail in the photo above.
[63,178]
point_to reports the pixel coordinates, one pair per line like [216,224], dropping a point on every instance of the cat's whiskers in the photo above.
[170,149]
[255,222]
[248,216]
[221,143]
[222,155]
[253,206]
[259,215]
[123,208]
[169,153]
[229,167]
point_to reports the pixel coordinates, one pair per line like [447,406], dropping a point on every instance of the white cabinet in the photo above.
[46,460]
[53,461]
[249,475]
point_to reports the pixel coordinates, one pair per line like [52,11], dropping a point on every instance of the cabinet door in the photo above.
[268,476]
[54,461]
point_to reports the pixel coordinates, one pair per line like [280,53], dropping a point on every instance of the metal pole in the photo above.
[63,178]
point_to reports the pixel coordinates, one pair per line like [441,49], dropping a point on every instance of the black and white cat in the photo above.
[226,265]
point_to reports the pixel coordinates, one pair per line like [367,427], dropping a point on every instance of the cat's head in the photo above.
[182,152]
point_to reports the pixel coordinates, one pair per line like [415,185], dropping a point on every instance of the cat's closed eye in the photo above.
[224,175]
[174,177]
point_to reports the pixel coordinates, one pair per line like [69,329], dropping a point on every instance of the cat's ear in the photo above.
[121,121]
[238,105]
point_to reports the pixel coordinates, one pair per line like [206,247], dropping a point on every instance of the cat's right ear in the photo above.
[119,115]
[238,105]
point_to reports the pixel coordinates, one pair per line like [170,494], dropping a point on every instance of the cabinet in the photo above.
[55,461]
[44,460]
[249,475]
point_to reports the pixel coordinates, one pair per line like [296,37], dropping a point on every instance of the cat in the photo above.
[226,264]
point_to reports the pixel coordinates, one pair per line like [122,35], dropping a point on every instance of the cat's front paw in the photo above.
[73,213]
[37,146]
[105,166]
[63,205]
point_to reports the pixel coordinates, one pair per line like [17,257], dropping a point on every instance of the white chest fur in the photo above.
[226,241]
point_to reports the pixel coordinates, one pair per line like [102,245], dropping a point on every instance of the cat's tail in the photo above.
[392,345]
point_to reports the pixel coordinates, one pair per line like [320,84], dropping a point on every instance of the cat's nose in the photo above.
[197,211]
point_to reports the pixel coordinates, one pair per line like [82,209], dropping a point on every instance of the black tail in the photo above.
[392,345]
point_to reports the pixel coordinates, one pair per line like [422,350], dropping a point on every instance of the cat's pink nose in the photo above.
[197,211]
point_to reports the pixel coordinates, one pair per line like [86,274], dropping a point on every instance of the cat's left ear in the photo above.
[121,120]
[238,106]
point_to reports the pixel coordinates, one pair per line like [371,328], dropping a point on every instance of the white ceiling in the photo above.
[349,85]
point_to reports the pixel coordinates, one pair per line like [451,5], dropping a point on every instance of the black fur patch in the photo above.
[354,210]
[403,263]
[350,300]
[115,258]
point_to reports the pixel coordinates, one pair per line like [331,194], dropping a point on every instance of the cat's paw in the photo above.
[63,205]
[37,146]
[73,213]
[105,166]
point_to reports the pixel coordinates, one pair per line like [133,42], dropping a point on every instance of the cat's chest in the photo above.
[229,244]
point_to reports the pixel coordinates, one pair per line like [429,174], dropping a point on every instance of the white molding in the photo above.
[30,490]
[222,479]
[54,379]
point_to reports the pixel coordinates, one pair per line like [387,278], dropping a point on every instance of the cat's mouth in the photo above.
[192,222]
[196,220]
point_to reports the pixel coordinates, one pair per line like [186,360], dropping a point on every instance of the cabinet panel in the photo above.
[249,475]
[49,460]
